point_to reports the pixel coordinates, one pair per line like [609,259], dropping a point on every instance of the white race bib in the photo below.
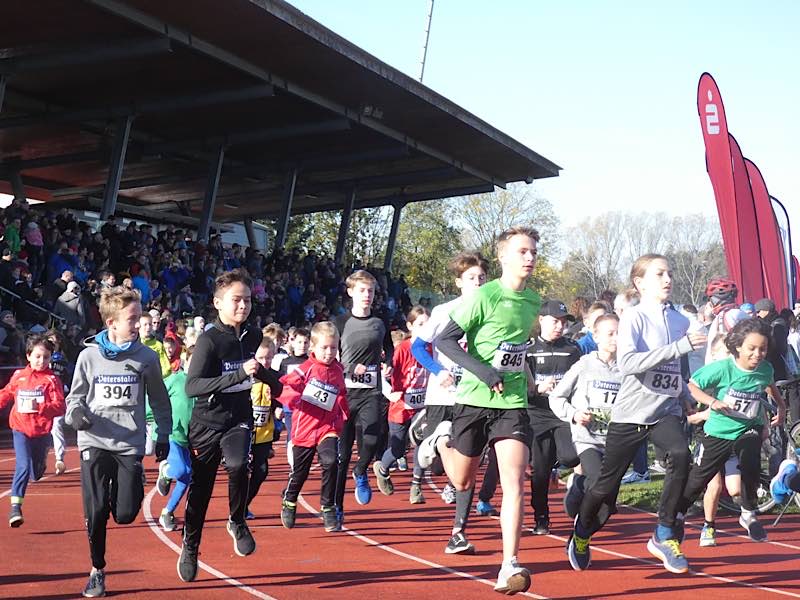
[28,401]
[320,394]
[117,390]
[664,380]
[260,415]
[746,405]
[414,399]
[369,379]
[228,367]
[602,394]
[510,358]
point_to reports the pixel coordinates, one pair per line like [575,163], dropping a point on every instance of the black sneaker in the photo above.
[15,518]
[542,526]
[96,586]
[288,514]
[243,542]
[754,529]
[459,544]
[329,519]
[187,564]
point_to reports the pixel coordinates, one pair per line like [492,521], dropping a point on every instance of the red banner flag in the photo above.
[773,263]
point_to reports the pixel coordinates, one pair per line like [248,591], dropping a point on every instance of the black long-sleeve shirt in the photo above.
[217,379]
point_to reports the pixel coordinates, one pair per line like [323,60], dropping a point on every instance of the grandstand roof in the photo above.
[272,86]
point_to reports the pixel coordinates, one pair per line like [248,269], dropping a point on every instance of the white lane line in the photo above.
[428,563]
[153,524]
[646,561]
[8,492]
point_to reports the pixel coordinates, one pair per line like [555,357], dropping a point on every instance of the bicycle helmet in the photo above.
[721,290]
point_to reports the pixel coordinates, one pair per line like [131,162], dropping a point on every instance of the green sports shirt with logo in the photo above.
[497,321]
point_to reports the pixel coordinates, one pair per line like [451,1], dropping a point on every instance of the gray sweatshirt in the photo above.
[650,342]
[113,390]
[590,385]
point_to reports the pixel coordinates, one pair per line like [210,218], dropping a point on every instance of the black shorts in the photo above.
[435,414]
[474,427]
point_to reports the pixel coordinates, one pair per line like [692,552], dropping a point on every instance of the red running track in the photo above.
[390,550]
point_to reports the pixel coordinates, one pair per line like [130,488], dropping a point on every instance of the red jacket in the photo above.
[38,398]
[411,379]
[316,394]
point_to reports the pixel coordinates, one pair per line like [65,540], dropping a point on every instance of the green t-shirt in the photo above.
[740,389]
[498,322]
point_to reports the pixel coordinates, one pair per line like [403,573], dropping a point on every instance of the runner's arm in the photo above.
[205,360]
[158,399]
[447,342]
[419,348]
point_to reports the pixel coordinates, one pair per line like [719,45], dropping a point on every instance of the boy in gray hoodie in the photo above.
[106,406]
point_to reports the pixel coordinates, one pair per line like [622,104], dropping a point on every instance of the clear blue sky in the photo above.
[605,89]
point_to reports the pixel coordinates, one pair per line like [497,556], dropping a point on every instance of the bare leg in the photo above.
[512,458]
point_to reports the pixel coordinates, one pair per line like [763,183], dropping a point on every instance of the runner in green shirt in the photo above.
[492,395]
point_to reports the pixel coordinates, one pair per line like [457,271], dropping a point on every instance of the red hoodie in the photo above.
[316,394]
[411,379]
[38,398]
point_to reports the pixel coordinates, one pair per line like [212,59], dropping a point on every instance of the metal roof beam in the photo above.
[155,105]
[230,59]
[85,54]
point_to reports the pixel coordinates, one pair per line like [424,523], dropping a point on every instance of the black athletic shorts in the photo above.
[435,414]
[474,427]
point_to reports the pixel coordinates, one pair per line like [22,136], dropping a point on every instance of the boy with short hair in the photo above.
[106,405]
[316,392]
[222,371]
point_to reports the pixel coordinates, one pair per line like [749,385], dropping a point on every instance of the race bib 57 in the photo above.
[744,405]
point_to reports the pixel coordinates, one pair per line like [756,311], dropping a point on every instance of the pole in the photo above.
[427,39]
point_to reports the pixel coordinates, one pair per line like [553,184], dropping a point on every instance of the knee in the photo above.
[236,465]
[679,458]
[127,516]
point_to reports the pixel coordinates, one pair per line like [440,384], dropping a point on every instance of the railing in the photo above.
[5,290]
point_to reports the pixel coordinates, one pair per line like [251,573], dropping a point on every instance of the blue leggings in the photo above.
[179,468]
[31,453]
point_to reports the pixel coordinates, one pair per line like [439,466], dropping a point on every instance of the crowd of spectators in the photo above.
[53,261]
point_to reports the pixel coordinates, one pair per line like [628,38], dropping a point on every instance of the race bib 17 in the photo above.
[602,394]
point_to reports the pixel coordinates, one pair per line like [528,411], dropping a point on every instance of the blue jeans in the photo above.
[179,468]
[31,453]
[640,459]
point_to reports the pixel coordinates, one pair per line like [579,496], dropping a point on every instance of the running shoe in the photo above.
[60,467]
[485,509]
[670,554]
[459,544]
[243,542]
[15,518]
[574,495]
[288,514]
[249,516]
[163,483]
[187,563]
[167,520]
[415,495]
[362,491]
[634,477]
[578,550]
[383,479]
[778,486]
[512,579]
[427,448]
[96,586]
[754,529]
[658,467]
[329,520]
[417,427]
[402,464]
[542,525]
[708,536]
[449,494]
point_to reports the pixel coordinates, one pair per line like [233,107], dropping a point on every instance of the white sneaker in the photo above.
[512,579]
[449,494]
[60,467]
[427,449]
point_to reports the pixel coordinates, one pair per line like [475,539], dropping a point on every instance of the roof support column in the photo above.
[251,233]
[210,197]
[282,229]
[17,187]
[344,226]
[123,131]
[390,244]
[3,81]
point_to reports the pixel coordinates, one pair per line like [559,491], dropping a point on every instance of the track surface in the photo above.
[390,550]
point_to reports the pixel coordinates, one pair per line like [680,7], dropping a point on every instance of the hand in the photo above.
[721,407]
[80,419]
[162,451]
[395,396]
[359,369]
[279,413]
[697,339]
[582,417]
[445,379]
[546,386]
[387,371]
[251,367]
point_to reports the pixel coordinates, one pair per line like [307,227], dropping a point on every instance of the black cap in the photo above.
[555,308]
